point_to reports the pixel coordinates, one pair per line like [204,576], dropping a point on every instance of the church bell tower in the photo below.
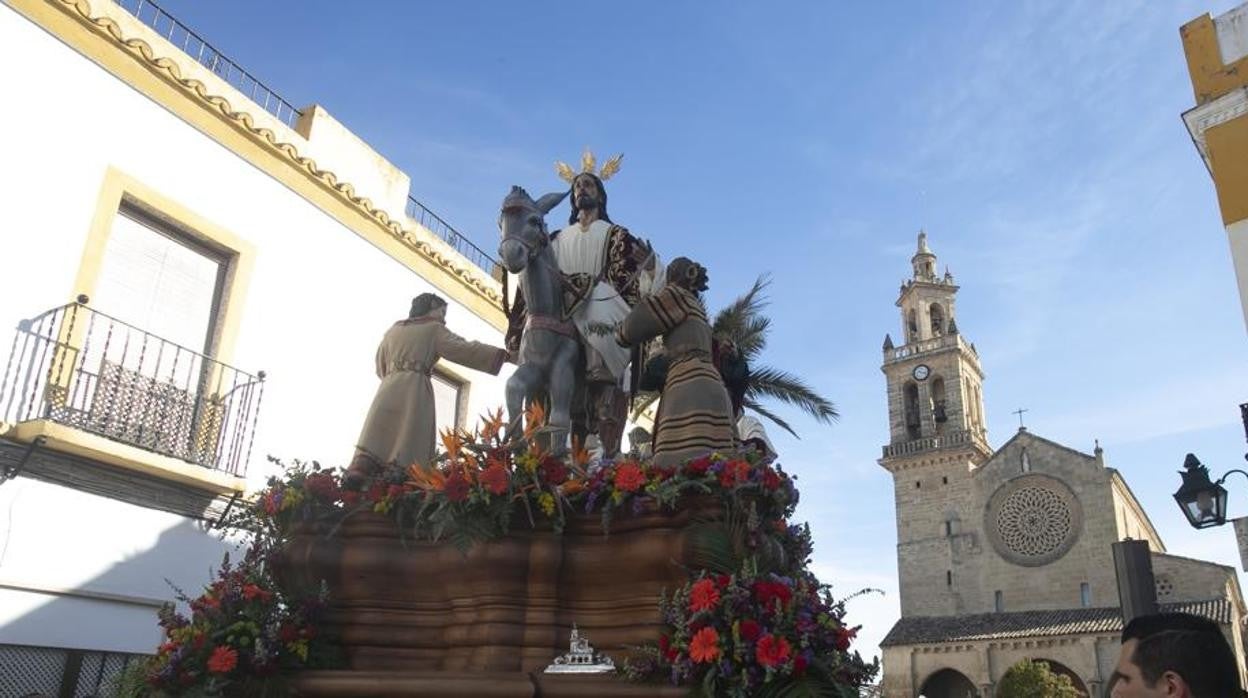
[937,437]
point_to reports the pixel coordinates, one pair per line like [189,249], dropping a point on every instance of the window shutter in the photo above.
[158,283]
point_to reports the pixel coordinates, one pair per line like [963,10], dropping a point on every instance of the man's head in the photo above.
[1175,655]
[428,305]
[587,194]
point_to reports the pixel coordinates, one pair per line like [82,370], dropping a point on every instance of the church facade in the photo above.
[1004,554]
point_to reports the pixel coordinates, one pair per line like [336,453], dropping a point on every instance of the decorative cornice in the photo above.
[244,122]
[1199,119]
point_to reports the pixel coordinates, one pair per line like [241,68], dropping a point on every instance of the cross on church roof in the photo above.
[1020,412]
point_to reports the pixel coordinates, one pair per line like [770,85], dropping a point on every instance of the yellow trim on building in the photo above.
[98,448]
[1227,144]
[132,60]
[119,187]
[1210,78]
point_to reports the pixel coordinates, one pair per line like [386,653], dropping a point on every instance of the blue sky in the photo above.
[1040,145]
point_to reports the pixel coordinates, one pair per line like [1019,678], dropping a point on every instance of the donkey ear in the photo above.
[549,201]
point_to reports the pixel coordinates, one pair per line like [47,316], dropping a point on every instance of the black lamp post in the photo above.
[1203,501]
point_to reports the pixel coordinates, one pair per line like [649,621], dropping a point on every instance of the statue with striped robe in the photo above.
[695,414]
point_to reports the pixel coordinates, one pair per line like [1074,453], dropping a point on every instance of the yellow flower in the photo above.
[291,499]
[528,461]
[300,648]
[547,503]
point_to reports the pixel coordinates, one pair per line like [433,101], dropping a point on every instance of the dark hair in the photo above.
[686,273]
[424,304]
[1191,646]
[602,198]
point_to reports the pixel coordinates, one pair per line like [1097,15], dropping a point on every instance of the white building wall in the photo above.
[318,302]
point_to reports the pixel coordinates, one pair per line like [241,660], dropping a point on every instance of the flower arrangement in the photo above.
[480,485]
[741,634]
[244,632]
[750,621]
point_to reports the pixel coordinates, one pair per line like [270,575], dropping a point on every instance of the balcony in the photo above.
[904,351]
[82,380]
[953,438]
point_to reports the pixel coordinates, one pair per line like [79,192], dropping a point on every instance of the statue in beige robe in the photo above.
[400,426]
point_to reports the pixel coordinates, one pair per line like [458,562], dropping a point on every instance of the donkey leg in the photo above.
[562,388]
[520,385]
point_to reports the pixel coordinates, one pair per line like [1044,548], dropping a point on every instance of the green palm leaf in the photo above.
[788,388]
[768,414]
[734,319]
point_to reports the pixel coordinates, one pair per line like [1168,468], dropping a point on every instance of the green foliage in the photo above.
[1034,679]
[742,324]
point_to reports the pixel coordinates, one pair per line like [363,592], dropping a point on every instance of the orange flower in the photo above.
[580,454]
[492,423]
[429,479]
[495,479]
[571,487]
[452,443]
[705,646]
[223,660]
[535,418]
[704,596]
[772,650]
[628,477]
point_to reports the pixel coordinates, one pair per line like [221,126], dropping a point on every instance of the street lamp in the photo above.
[1203,502]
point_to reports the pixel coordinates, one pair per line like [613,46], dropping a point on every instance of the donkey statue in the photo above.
[549,350]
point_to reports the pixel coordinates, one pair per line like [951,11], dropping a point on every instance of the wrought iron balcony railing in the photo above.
[81,368]
[422,215]
[193,45]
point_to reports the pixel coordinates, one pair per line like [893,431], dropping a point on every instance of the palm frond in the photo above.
[768,414]
[643,402]
[734,317]
[788,388]
[751,338]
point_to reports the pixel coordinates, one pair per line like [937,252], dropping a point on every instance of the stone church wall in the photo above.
[1055,584]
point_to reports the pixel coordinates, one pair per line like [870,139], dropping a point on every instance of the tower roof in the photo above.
[923,250]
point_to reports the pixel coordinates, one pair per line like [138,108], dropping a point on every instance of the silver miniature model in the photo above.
[581,658]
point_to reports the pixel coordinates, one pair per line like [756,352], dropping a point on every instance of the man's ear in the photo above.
[1171,684]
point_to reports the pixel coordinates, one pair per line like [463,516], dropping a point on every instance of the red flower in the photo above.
[271,504]
[750,630]
[350,498]
[704,596]
[223,660]
[287,633]
[665,648]
[771,479]
[628,477]
[377,492]
[209,601]
[799,665]
[495,479]
[698,466]
[843,637]
[554,471]
[766,592]
[251,591]
[771,650]
[734,472]
[705,646]
[322,486]
[723,581]
[456,487]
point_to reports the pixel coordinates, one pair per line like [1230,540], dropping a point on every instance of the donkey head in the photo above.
[523,226]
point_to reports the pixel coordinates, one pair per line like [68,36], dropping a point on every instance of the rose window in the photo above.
[1034,520]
